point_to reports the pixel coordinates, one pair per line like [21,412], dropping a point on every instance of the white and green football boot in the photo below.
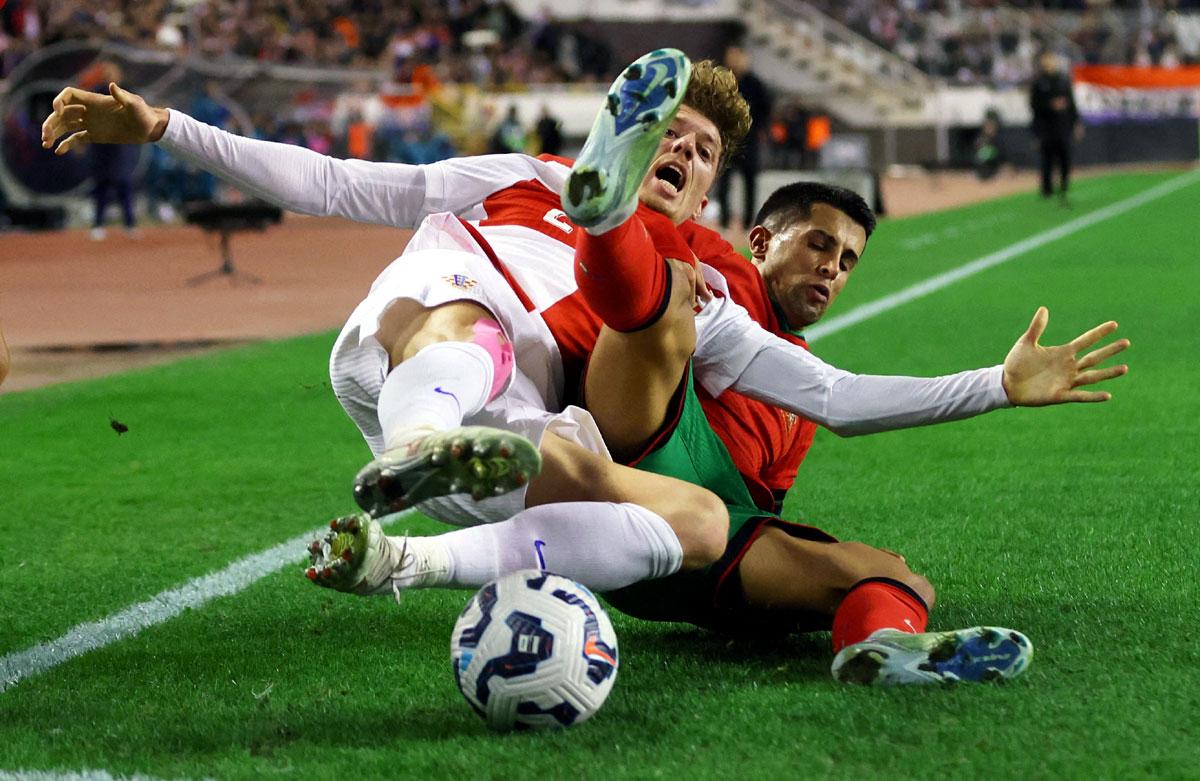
[357,557]
[601,191]
[890,657]
[475,460]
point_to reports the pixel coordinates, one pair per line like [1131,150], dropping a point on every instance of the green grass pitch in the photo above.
[1076,525]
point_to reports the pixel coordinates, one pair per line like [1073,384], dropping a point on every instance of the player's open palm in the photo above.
[1036,375]
[83,117]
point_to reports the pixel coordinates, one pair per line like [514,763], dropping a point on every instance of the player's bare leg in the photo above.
[604,524]
[571,473]
[647,365]
[878,609]
[446,363]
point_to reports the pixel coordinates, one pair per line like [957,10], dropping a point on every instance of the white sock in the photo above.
[602,545]
[437,388]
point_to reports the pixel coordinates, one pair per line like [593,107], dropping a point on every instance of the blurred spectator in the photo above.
[1055,122]
[988,155]
[358,137]
[113,167]
[789,132]
[509,135]
[549,133]
[748,160]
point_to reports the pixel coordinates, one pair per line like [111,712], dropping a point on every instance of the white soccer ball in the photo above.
[533,649]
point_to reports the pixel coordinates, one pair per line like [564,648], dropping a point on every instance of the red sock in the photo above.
[877,603]
[622,274]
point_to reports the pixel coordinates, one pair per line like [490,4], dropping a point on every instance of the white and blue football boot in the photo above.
[357,557]
[476,460]
[601,191]
[890,657]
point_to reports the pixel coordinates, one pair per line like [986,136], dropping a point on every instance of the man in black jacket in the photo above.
[747,161]
[1055,121]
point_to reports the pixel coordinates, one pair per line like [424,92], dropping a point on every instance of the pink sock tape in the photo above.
[489,336]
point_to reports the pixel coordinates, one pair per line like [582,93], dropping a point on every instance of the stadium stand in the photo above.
[859,86]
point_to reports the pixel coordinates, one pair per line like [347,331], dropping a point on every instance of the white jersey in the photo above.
[509,206]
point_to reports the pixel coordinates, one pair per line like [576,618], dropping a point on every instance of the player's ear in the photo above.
[760,239]
[700,208]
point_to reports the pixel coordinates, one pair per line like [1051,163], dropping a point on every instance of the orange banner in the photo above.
[1131,77]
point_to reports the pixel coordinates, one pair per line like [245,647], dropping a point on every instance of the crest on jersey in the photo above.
[460,281]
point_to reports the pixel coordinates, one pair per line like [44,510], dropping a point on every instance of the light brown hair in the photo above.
[713,92]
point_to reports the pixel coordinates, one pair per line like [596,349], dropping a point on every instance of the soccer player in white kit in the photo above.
[466,271]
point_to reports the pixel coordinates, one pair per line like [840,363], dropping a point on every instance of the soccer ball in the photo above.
[533,649]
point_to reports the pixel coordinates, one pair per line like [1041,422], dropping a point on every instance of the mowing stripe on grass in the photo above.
[164,606]
[947,278]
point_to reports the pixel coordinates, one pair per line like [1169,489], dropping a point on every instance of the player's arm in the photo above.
[289,176]
[788,376]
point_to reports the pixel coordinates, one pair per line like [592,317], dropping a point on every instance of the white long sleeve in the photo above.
[733,351]
[788,376]
[396,194]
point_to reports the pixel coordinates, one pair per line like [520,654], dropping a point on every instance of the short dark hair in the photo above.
[795,201]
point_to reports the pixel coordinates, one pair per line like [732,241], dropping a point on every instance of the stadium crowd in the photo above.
[989,42]
[468,41]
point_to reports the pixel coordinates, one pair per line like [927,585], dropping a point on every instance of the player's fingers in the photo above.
[120,95]
[74,141]
[68,119]
[1086,397]
[1090,337]
[1103,354]
[1037,326]
[1099,375]
[63,98]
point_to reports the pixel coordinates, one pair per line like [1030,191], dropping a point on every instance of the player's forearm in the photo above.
[848,404]
[299,179]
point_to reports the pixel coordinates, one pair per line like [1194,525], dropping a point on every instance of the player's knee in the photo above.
[856,561]
[864,561]
[702,525]
[406,326]
[700,521]
[924,589]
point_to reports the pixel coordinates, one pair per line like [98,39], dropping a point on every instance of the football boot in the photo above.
[601,191]
[474,460]
[357,557]
[889,657]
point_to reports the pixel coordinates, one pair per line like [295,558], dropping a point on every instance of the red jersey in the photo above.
[767,443]
[531,240]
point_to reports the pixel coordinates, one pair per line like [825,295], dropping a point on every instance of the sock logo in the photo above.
[438,389]
[537,547]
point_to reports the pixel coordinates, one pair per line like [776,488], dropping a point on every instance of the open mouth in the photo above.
[672,175]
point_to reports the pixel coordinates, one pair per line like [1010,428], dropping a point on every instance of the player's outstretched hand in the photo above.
[1035,376]
[83,117]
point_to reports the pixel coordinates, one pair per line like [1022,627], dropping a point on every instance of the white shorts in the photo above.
[437,268]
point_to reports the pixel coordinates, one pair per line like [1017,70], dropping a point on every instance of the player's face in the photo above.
[807,263]
[679,178]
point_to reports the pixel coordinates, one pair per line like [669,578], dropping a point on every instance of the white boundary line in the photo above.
[19,665]
[947,278]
